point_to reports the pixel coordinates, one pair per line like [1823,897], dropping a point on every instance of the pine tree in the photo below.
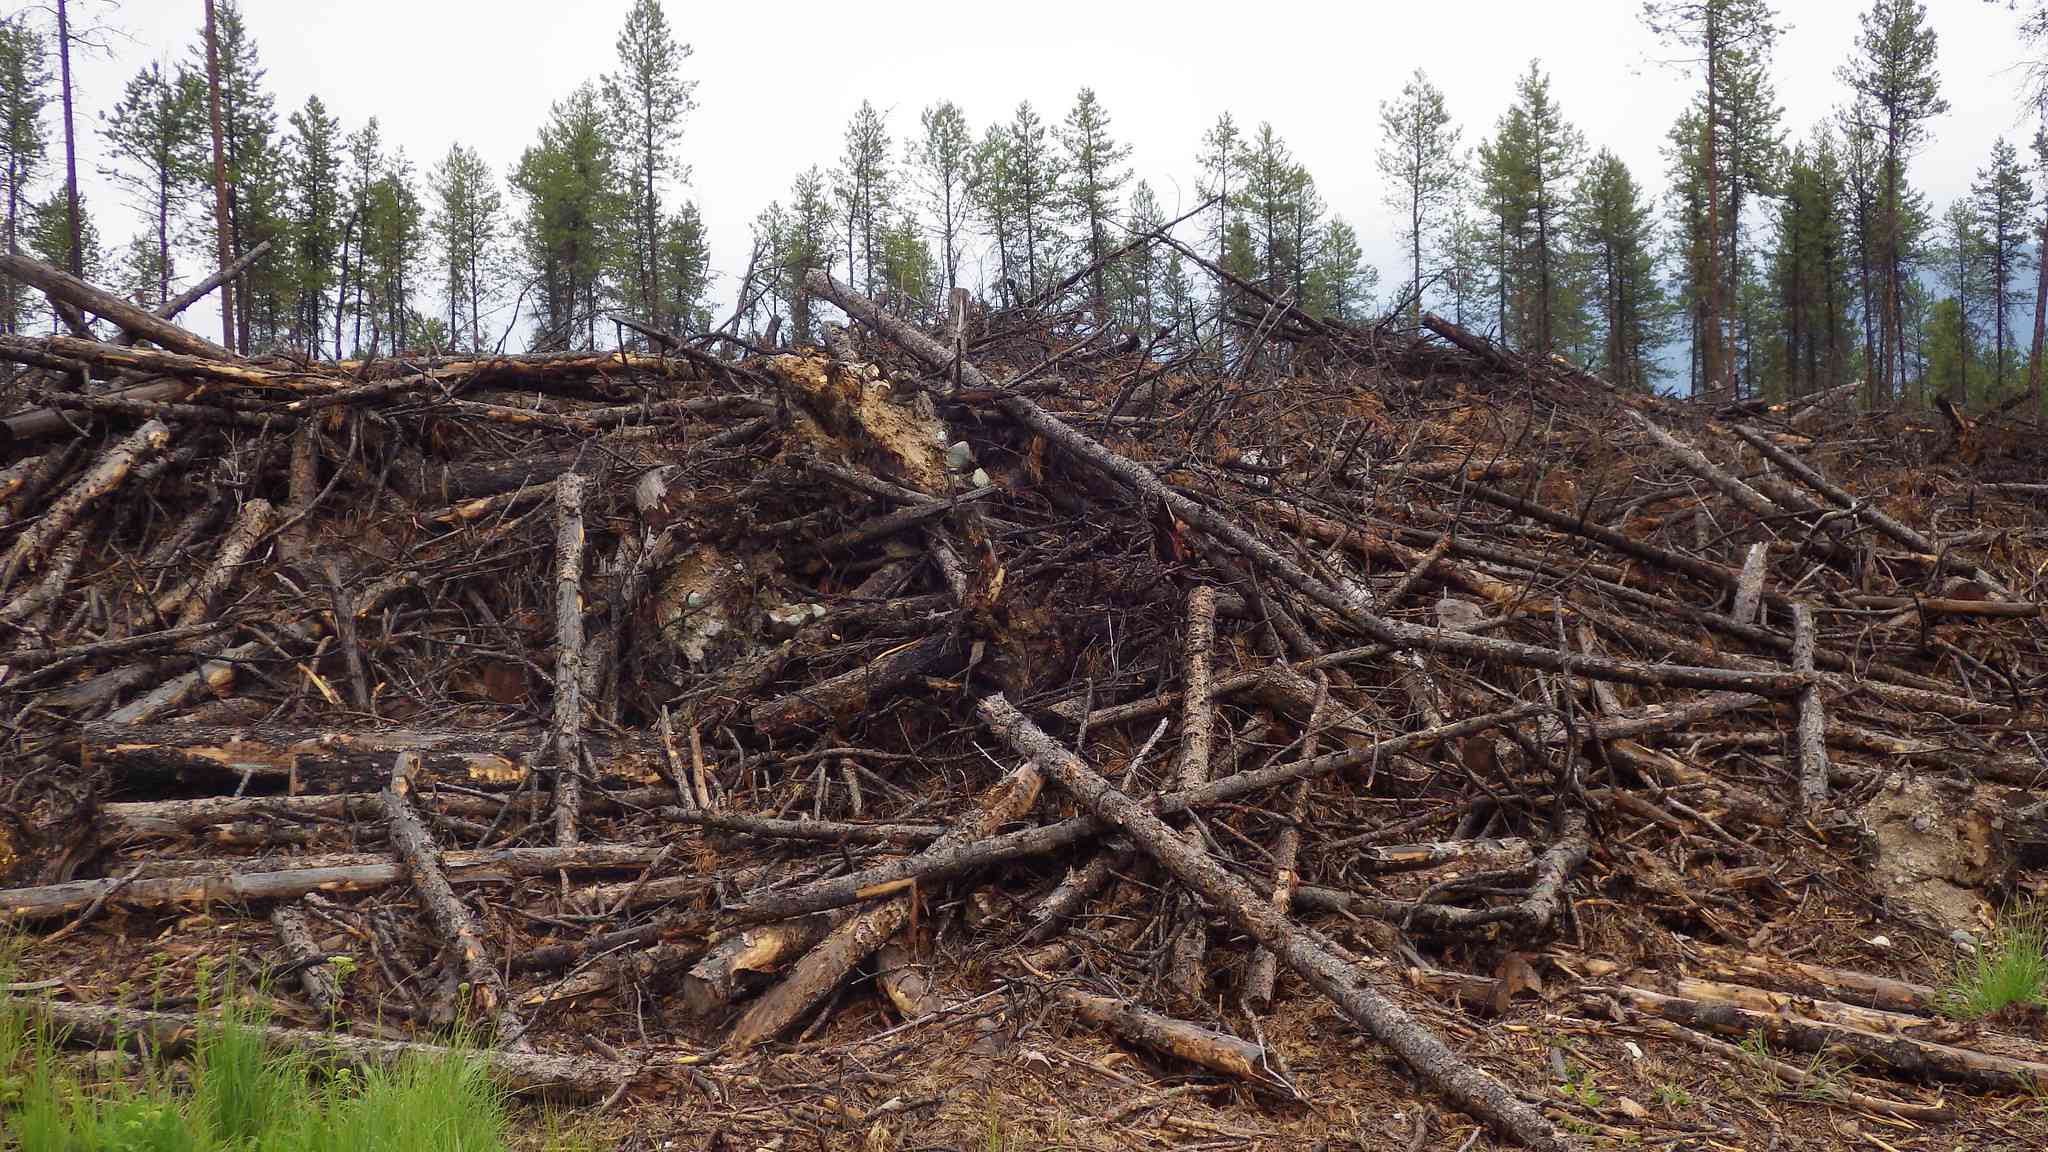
[1898,91]
[909,274]
[313,175]
[47,236]
[864,186]
[1754,155]
[466,224]
[943,162]
[1964,272]
[569,181]
[1220,180]
[1613,226]
[153,133]
[686,267]
[392,244]
[1134,280]
[365,162]
[1339,284]
[1272,184]
[1418,157]
[1034,177]
[24,84]
[994,202]
[2003,200]
[1724,36]
[1812,271]
[1094,176]
[646,100]
[1465,263]
[2034,361]
[1525,171]
[806,245]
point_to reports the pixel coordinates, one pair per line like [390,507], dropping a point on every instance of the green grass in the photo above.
[2010,967]
[236,1095]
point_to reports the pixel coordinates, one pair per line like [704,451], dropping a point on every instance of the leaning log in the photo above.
[1470,1089]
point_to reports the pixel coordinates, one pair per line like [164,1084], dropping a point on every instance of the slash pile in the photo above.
[682,699]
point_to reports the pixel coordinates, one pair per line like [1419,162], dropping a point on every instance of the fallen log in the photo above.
[452,920]
[1900,1054]
[1469,1089]
[232,886]
[170,1033]
[61,286]
[340,760]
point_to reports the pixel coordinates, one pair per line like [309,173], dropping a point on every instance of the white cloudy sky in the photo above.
[777,82]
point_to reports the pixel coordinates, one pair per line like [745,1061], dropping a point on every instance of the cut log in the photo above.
[321,988]
[1903,1055]
[1187,968]
[453,922]
[822,968]
[568,725]
[723,975]
[1813,722]
[1202,1047]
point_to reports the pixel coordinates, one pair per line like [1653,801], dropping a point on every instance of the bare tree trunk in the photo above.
[76,263]
[224,235]
[2040,319]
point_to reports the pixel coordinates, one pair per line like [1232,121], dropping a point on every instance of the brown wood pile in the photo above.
[743,688]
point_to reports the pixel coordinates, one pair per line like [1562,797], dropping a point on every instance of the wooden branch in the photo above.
[1187,967]
[822,968]
[1813,745]
[321,988]
[1203,1047]
[863,687]
[568,723]
[453,922]
[1350,606]
[1469,1089]
[1749,588]
[720,976]
[1862,509]
[1696,462]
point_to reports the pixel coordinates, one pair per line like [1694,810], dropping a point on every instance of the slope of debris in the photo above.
[1002,735]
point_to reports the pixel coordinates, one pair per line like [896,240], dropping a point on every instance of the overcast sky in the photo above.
[777,82]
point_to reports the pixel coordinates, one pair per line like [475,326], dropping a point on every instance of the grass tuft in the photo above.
[2009,968]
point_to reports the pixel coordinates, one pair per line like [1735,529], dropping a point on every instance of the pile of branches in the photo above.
[1140,687]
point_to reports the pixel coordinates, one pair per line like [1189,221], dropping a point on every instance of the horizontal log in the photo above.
[232,886]
[331,760]
[170,1033]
